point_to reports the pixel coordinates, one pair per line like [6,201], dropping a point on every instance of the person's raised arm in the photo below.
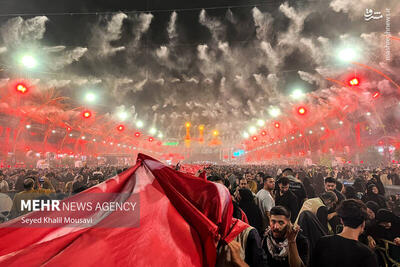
[293,255]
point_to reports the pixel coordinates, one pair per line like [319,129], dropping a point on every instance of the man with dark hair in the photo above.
[259,179]
[295,185]
[344,249]
[286,198]
[29,193]
[320,207]
[243,183]
[283,244]
[265,198]
[330,185]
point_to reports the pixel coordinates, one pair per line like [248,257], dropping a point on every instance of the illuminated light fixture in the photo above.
[297,94]
[201,127]
[347,54]
[29,61]
[252,129]
[69,129]
[354,81]
[139,124]
[301,110]
[153,130]
[94,140]
[160,135]
[187,124]
[292,137]
[90,97]
[263,133]
[21,88]
[70,135]
[86,114]
[83,137]
[53,131]
[246,135]
[151,139]
[111,143]
[310,131]
[300,135]
[137,134]
[285,140]
[322,128]
[277,125]
[122,115]
[215,133]
[274,112]
[260,123]
[368,113]
[341,122]
[254,138]
[120,128]
[28,126]
[376,94]
[119,145]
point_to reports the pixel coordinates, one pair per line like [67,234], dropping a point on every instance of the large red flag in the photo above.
[178,222]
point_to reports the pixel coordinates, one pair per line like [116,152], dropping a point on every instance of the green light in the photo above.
[170,143]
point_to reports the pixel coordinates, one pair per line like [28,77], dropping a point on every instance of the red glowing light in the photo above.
[69,129]
[86,114]
[151,139]
[263,133]
[254,138]
[301,110]
[21,88]
[120,128]
[361,161]
[354,81]
[376,94]
[137,134]
[277,125]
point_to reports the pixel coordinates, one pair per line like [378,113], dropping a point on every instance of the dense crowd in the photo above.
[297,215]
[55,183]
[315,216]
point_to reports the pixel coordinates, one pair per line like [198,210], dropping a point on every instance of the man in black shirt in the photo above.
[330,185]
[287,198]
[295,185]
[283,244]
[344,249]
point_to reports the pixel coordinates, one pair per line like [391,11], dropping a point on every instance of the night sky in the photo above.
[222,67]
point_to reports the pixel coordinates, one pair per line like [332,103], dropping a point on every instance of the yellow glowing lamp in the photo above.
[201,127]
[187,124]
[215,133]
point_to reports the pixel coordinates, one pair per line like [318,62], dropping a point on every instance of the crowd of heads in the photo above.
[55,183]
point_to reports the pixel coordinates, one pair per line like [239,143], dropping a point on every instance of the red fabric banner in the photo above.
[182,218]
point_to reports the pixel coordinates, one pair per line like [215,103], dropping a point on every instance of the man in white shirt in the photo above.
[265,197]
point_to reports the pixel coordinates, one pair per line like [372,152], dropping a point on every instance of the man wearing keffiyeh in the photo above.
[283,244]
